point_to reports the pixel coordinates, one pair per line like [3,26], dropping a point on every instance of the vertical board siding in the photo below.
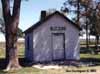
[42,43]
[72,43]
[29,47]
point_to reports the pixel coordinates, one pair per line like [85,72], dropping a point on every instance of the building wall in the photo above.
[72,43]
[42,43]
[29,46]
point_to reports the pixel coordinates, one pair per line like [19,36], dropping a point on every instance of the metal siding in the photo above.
[72,43]
[29,51]
[26,46]
[42,47]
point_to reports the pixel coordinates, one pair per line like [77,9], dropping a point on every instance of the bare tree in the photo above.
[11,27]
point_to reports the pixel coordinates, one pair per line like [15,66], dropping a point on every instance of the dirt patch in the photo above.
[64,69]
[47,66]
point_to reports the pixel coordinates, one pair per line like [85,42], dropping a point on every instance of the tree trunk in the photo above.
[87,40]
[11,47]
[96,46]
[12,53]
[11,27]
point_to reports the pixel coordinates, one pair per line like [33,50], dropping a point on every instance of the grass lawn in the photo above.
[32,70]
[25,70]
[64,70]
[20,51]
[2,53]
[97,56]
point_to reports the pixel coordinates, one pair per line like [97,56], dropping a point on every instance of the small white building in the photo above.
[54,37]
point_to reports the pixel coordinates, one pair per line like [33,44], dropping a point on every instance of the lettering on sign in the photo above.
[57,28]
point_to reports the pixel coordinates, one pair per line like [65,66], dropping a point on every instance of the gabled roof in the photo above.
[47,18]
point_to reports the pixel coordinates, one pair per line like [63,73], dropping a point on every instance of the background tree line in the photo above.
[87,15]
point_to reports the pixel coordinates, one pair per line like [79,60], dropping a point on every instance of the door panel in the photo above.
[58,46]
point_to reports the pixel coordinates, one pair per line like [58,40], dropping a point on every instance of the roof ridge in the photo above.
[47,17]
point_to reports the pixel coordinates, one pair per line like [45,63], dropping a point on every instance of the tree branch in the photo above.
[6,9]
[16,8]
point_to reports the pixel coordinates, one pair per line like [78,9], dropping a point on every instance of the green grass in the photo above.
[26,70]
[20,50]
[20,53]
[31,70]
[97,56]
[2,53]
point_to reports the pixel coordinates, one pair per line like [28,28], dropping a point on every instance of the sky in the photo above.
[30,12]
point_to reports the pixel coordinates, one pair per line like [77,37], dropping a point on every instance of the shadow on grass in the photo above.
[24,63]
[3,72]
[94,61]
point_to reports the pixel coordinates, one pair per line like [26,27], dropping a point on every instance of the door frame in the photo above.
[63,34]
